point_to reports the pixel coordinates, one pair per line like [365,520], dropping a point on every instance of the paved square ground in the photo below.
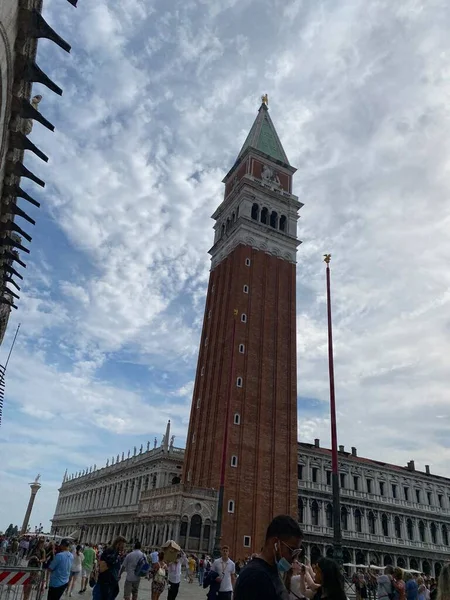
[188,591]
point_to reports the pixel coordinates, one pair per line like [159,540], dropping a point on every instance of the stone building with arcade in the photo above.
[389,514]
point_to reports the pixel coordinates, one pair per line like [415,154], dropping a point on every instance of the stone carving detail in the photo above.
[270,175]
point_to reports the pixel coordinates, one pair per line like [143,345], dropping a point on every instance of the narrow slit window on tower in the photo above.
[193,437]
[239,381]
[231,506]
[206,342]
[202,372]
[237,419]
[245,290]
[209,314]
[241,348]
[283,223]
[247,541]
[247,262]
[264,216]
[198,402]
[244,318]
[234,461]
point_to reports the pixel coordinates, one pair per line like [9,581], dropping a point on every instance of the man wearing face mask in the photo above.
[262,578]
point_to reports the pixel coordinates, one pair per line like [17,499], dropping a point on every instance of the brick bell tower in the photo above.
[243,423]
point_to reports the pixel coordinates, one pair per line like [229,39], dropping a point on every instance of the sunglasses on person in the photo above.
[295,552]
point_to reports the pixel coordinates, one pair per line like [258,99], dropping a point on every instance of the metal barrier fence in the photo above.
[21,583]
[8,559]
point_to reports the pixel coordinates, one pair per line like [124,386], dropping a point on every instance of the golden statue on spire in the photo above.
[327,258]
[265,99]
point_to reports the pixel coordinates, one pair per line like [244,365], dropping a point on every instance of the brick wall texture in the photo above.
[264,483]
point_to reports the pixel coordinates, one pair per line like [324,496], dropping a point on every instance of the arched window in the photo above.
[231,506]
[314,514]
[401,562]
[409,529]
[239,382]
[361,559]
[206,531]
[437,569]
[445,535]
[241,348]
[300,509]
[426,568]
[228,224]
[183,528]
[282,223]
[264,216]
[233,217]
[315,554]
[274,220]
[397,527]
[196,526]
[248,262]
[245,289]
[329,515]
[413,564]
[387,560]
[176,480]
[244,318]
[222,230]
[234,461]
[154,481]
[237,419]
[384,526]
[358,520]
[255,212]
[421,531]
[344,518]
[433,533]
[371,519]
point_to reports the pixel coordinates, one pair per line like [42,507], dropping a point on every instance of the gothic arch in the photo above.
[314,513]
[401,562]
[265,216]
[413,564]
[315,554]
[255,211]
[196,526]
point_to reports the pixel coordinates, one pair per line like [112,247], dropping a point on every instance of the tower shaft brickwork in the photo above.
[247,368]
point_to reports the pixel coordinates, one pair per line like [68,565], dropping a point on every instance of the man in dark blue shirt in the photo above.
[411,587]
[261,578]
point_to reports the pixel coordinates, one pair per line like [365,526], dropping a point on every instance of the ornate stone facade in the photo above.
[100,503]
[389,514]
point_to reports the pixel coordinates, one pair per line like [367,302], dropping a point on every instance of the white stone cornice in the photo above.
[257,236]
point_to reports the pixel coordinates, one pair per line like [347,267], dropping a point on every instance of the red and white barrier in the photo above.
[15,577]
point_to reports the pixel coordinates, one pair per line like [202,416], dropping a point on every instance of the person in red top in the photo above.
[399,584]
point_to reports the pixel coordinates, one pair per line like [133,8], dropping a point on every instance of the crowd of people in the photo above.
[278,572]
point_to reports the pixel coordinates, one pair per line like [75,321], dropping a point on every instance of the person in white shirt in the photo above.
[174,575]
[78,558]
[227,574]
[132,581]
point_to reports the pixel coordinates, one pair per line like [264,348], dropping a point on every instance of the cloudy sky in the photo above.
[158,98]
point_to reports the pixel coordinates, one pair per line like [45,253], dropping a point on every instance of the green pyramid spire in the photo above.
[264,137]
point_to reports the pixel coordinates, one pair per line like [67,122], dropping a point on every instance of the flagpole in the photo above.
[337,531]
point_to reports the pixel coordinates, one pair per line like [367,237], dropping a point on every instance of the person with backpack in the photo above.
[136,566]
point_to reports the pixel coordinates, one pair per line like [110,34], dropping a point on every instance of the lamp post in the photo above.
[337,531]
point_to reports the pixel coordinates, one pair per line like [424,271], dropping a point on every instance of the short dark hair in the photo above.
[283,526]
[137,546]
